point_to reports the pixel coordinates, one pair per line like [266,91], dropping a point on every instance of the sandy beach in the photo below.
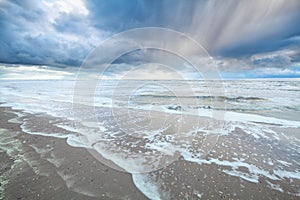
[42,167]
[58,171]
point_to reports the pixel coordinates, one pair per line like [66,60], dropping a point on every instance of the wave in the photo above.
[220,98]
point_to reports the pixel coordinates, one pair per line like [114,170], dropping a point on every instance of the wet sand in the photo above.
[29,169]
[40,167]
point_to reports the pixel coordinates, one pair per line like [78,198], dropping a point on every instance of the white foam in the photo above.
[258,131]
[274,186]
[254,171]
[130,161]
[287,164]
[248,177]
[228,116]
[244,117]
[144,183]
[287,174]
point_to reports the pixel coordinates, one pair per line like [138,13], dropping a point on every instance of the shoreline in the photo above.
[43,167]
[39,167]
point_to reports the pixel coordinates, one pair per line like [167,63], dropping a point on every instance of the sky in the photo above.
[43,39]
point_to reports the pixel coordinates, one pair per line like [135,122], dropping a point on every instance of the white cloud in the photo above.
[276,60]
[22,72]
[152,71]
[56,8]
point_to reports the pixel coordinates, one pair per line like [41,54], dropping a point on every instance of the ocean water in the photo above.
[144,126]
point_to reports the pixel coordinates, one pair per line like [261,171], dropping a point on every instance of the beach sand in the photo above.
[42,167]
[31,170]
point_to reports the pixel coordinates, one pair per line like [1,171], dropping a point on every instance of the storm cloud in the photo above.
[240,35]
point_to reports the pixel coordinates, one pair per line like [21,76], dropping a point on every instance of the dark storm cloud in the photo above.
[62,33]
[120,15]
[33,34]
[230,28]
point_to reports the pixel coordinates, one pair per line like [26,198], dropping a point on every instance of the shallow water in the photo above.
[250,131]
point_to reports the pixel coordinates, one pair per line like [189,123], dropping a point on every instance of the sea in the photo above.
[249,128]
